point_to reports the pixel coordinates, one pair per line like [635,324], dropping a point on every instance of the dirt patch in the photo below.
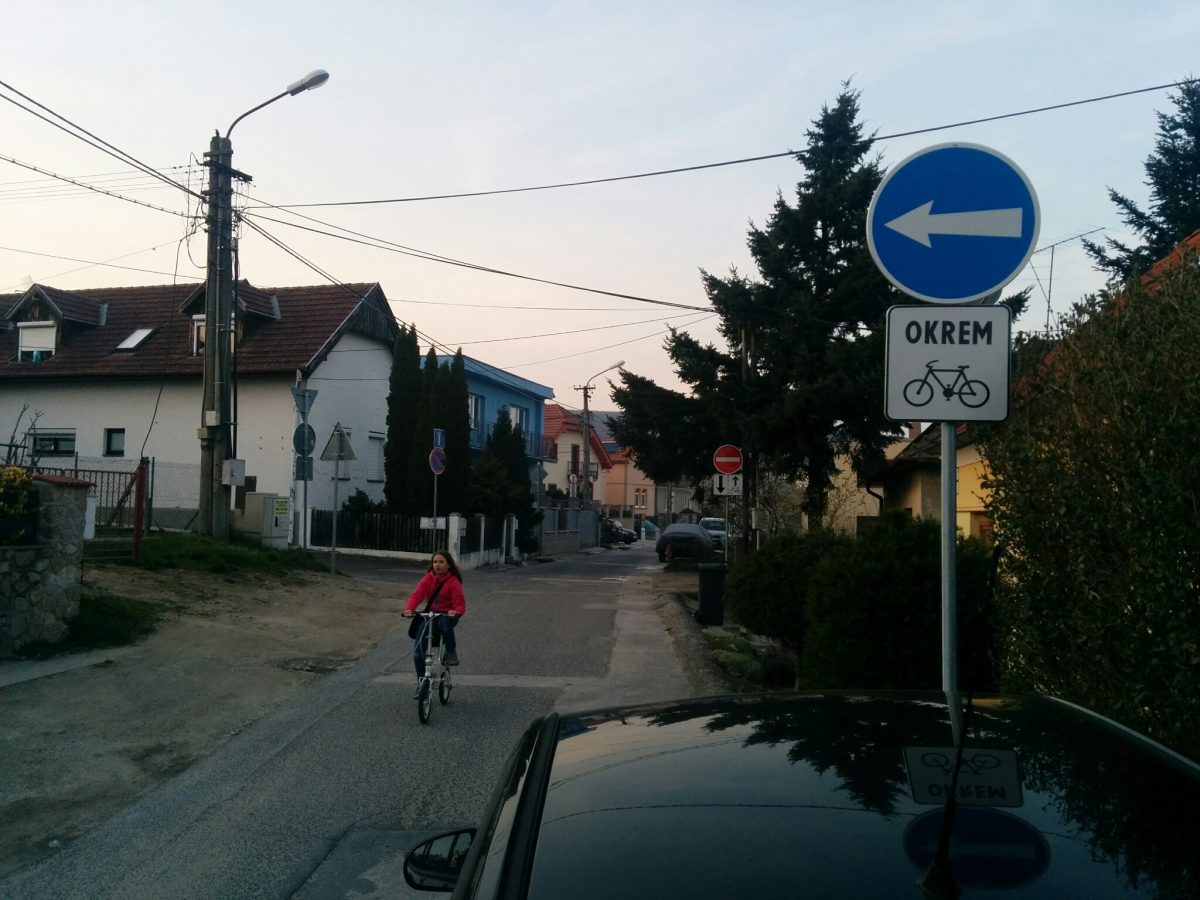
[78,746]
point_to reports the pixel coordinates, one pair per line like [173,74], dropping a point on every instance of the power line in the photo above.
[33,168]
[539,362]
[736,162]
[112,151]
[88,263]
[500,374]
[381,244]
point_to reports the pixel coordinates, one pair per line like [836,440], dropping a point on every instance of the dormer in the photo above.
[43,317]
[252,305]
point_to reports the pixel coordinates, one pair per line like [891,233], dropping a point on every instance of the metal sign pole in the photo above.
[436,545]
[333,543]
[949,559]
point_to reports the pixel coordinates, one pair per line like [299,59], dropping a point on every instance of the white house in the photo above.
[95,377]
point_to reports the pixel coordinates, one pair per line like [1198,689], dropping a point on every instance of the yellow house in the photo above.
[911,481]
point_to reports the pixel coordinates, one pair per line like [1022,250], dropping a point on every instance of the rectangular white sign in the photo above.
[429,523]
[727,485]
[948,363]
[986,777]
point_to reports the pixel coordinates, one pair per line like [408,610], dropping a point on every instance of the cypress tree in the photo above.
[403,405]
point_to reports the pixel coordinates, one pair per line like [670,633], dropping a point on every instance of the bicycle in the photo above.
[971,391]
[425,683]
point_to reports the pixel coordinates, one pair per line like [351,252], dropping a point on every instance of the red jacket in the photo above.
[449,599]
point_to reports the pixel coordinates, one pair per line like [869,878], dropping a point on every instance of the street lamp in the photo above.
[215,423]
[587,426]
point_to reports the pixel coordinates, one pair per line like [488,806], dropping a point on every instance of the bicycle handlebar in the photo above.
[427,615]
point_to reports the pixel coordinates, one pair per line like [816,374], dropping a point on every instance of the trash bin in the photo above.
[712,594]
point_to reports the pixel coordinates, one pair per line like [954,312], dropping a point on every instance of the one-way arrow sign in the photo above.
[953,223]
[922,222]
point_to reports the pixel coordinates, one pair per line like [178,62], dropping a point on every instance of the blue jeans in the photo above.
[443,630]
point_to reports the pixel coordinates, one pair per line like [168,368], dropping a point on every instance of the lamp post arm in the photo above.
[254,110]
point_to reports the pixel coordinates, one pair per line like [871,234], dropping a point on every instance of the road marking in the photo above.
[527,682]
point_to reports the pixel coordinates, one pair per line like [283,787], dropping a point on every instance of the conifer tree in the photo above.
[1173,177]
[801,380]
[403,405]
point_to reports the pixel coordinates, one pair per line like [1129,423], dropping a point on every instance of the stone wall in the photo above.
[40,582]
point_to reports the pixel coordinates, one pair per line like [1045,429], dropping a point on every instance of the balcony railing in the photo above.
[537,446]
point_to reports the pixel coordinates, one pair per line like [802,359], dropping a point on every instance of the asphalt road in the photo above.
[321,799]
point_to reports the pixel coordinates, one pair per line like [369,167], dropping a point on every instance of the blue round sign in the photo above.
[953,223]
[437,460]
[989,849]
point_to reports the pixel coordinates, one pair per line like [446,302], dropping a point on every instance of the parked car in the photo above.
[837,794]
[615,532]
[718,529]
[684,539]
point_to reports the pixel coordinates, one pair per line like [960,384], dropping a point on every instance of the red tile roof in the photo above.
[558,420]
[283,329]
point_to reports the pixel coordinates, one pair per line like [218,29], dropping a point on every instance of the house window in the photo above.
[37,340]
[639,498]
[136,339]
[114,441]
[520,418]
[375,456]
[574,459]
[475,411]
[54,442]
[198,332]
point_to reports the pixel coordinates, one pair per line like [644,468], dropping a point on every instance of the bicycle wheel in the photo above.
[918,392]
[974,394]
[444,687]
[425,700]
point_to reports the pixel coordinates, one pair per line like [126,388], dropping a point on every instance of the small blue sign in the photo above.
[437,460]
[953,223]
[439,437]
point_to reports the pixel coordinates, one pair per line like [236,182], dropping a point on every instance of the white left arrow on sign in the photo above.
[918,224]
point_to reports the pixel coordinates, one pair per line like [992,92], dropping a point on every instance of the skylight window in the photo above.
[135,340]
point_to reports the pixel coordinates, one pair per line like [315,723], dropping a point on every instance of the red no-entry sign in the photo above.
[727,459]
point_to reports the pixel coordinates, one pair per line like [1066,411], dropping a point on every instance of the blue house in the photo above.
[490,389]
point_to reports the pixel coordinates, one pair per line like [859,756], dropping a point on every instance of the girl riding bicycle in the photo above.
[442,591]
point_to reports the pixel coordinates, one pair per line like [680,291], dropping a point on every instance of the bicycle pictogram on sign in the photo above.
[951,381]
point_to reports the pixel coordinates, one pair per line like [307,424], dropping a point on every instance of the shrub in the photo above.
[768,592]
[1095,497]
[874,610]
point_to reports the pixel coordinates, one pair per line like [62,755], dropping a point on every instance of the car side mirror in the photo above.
[435,864]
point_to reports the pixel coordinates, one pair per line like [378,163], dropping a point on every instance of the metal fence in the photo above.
[173,489]
[372,531]
[112,486]
[174,494]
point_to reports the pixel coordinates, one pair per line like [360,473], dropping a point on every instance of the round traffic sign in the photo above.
[437,460]
[304,439]
[953,223]
[727,459]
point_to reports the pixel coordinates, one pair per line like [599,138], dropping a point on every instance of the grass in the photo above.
[105,620]
[748,669]
[243,556]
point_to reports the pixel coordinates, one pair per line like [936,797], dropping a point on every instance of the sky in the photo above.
[432,99]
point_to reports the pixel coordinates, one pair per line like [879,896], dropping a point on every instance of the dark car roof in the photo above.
[835,795]
[685,528]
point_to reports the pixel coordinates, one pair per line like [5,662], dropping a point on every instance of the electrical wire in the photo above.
[737,162]
[88,263]
[500,374]
[108,148]
[33,168]
[381,244]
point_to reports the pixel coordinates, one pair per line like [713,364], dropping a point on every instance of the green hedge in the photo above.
[1096,501]
[865,612]
[875,611]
